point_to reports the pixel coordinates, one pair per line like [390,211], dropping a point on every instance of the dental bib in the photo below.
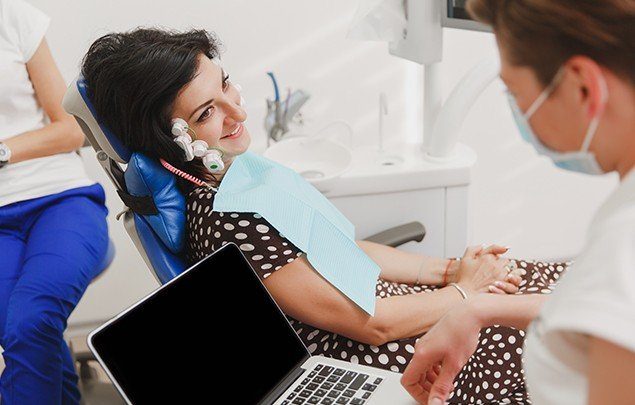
[304,216]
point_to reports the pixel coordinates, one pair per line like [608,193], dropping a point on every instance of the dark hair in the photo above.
[544,34]
[133,79]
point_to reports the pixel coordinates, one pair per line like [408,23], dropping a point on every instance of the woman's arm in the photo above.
[303,294]
[62,134]
[611,368]
[405,267]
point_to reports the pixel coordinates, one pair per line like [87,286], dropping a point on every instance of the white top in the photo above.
[596,297]
[22,29]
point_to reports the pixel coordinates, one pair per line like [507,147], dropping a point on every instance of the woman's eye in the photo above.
[206,114]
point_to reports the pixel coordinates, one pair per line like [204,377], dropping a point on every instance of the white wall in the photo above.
[517,199]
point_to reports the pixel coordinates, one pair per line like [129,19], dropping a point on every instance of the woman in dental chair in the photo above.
[152,87]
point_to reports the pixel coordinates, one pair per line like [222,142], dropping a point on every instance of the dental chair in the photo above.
[154,217]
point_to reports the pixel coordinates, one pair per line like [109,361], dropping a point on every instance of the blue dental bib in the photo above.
[304,216]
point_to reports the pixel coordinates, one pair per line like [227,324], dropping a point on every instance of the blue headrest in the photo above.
[116,144]
[146,177]
[165,264]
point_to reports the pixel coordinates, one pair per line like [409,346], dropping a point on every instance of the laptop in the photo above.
[215,335]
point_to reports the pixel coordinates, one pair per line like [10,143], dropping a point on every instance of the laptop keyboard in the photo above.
[329,385]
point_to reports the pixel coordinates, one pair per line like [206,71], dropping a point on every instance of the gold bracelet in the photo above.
[460,290]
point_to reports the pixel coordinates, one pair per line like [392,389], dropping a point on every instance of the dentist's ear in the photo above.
[595,90]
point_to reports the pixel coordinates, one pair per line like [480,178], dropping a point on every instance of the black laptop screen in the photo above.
[212,333]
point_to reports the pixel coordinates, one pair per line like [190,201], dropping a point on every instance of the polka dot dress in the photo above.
[493,374]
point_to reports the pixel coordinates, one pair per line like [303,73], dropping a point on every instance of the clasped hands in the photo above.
[483,270]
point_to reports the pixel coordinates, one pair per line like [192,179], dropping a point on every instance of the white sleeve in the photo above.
[597,297]
[27,25]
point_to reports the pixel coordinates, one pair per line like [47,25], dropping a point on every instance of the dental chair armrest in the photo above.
[397,236]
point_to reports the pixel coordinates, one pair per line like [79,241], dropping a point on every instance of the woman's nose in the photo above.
[233,111]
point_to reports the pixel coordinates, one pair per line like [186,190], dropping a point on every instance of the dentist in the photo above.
[53,232]
[569,66]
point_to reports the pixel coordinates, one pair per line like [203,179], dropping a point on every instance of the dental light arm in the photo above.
[447,125]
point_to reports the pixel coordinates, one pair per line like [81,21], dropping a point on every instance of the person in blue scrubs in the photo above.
[53,231]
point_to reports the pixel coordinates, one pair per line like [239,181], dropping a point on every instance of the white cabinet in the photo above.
[376,197]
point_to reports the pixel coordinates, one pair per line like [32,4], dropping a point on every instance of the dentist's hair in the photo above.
[543,34]
[133,79]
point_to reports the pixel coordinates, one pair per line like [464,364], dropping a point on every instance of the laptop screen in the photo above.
[212,332]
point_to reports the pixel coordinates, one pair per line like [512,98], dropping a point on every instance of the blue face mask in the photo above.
[582,161]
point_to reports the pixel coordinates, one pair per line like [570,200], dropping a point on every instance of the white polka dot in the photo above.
[266,266]
[241,236]
[354,359]
[247,247]
[229,227]
[217,234]
[243,223]
[234,215]
[312,347]
[271,248]
[383,359]
[392,346]
[368,359]
[262,228]
[287,252]
[257,257]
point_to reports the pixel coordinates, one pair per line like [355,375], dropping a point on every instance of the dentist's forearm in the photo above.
[516,311]
[56,137]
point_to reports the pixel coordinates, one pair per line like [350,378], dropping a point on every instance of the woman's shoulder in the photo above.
[262,244]
[198,198]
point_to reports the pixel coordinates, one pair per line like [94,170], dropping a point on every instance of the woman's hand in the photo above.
[483,271]
[440,355]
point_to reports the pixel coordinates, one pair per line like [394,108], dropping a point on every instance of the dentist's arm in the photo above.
[442,352]
[608,360]
[62,134]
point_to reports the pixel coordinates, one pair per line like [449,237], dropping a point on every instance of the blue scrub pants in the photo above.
[50,249]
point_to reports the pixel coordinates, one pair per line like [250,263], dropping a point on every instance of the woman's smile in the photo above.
[235,133]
